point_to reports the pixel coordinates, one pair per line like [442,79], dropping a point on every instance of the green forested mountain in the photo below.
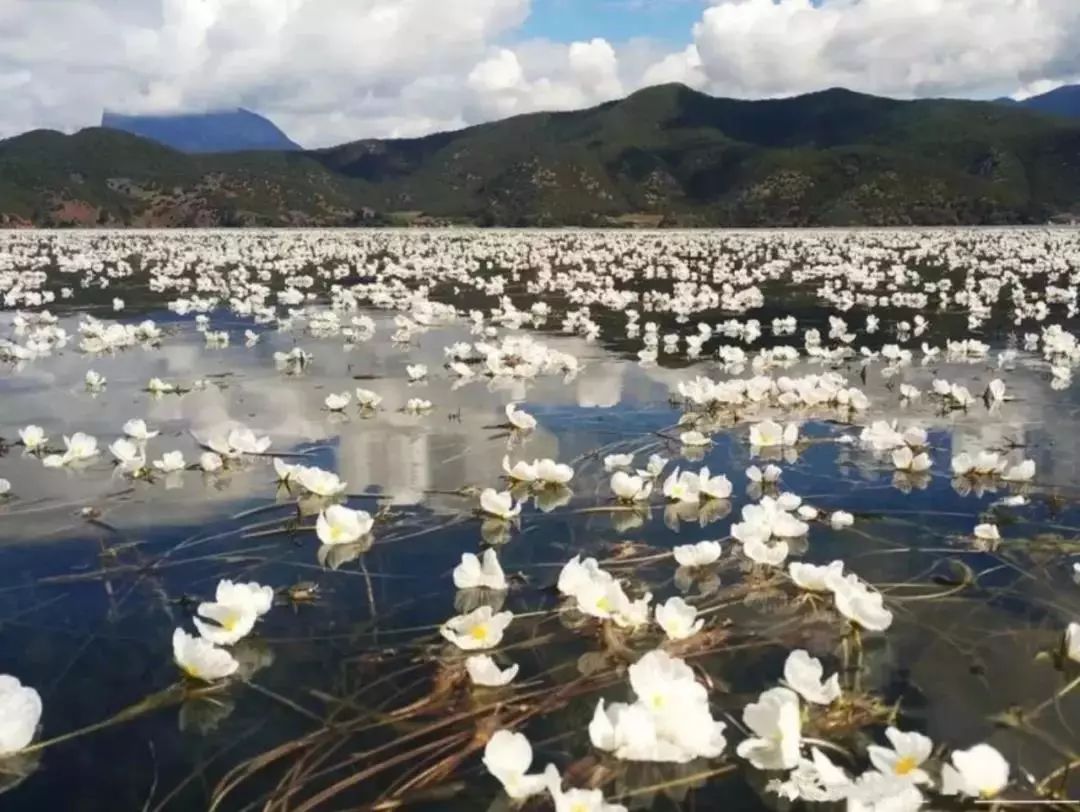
[664,155]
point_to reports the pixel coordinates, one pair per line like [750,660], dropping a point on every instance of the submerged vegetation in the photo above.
[583,521]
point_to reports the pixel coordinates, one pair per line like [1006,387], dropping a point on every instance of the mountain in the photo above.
[224,131]
[667,155]
[1064,101]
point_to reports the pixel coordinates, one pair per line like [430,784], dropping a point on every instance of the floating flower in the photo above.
[80,447]
[341,525]
[256,596]
[981,772]
[319,482]
[859,604]
[701,554]
[904,459]
[366,399]
[417,406]
[908,753]
[95,382]
[5,487]
[508,757]
[211,462]
[987,532]
[485,672]
[337,402]
[200,659]
[550,472]
[776,723]
[617,462]
[814,578]
[520,471]
[471,573]
[130,457]
[1072,641]
[804,673]
[170,462]
[694,439]
[480,629]
[33,438]
[630,488]
[499,504]
[20,712]
[682,486]
[769,433]
[678,619]
[519,419]
[232,622]
[841,519]
[1021,472]
[136,429]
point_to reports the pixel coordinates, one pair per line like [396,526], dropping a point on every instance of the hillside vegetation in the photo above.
[666,155]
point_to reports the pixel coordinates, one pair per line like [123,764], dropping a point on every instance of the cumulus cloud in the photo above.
[335,70]
[896,47]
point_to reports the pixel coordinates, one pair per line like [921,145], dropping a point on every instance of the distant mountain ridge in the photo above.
[1063,101]
[220,131]
[666,155]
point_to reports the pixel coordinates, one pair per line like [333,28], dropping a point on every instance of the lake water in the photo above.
[348,697]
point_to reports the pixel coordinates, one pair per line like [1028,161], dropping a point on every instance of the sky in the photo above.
[331,71]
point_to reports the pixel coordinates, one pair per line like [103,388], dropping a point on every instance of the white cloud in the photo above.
[330,71]
[898,47]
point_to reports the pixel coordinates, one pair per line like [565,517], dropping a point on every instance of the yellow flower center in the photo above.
[658,701]
[603,604]
[479,632]
[905,765]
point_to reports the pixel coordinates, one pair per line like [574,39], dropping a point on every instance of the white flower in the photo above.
[576,574]
[500,505]
[472,574]
[909,392]
[630,488]
[859,604]
[341,525]
[170,462]
[550,472]
[319,482]
[485,672]
[337,402]
[653,468]
[1072,642]
[841,519]
[94,380]
[201,659]
[284,471]
[245,441]
[507,757]
[678,619]
[987,532]
[803,673]
[877,792]
[770,474]
[520,471]
[231,622]
[417,405]
[769,433]
[981,772]
[137,430]
[701,554]
[416,372]
[670,721]
[777,727]
[616,462]
[5,487]
[20,712]
[995,390]
[904,459]
[210,462]
[480,629]
[80,447]
[367,399]
[713,487]
[33,437]
[577,800]
[259,598]
[682,486]
[130,456]
[519,419]
[1022,472]
[160,387]
[814,578]
[694,439]
[909,751]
